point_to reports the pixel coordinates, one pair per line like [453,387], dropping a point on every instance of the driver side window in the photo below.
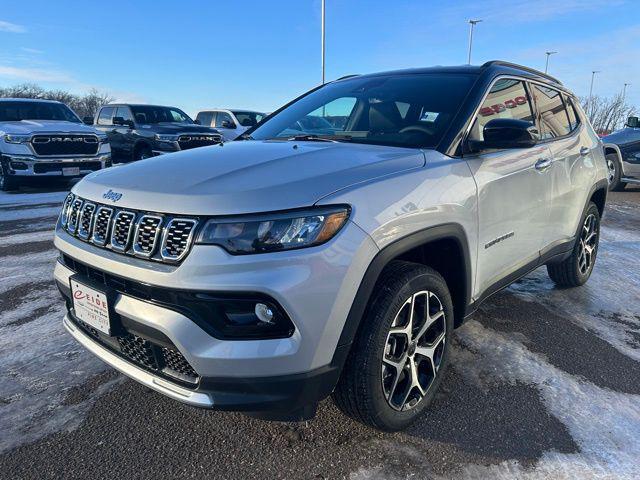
[507,98]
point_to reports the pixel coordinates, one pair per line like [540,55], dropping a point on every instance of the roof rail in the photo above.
[520,67]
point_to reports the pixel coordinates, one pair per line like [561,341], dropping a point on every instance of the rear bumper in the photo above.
[28,166]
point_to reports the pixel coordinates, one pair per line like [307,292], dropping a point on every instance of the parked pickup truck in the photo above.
[622,149]
[230,123]
[45,139]
[142,131]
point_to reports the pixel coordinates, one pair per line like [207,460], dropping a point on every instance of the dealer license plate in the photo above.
[91,306]
[70,171]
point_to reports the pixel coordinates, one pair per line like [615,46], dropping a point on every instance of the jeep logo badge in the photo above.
[111,195]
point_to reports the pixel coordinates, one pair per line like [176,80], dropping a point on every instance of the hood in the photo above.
[169,128]
[245,177]
[25,127]
[623,136]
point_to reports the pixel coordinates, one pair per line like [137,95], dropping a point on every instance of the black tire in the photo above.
[615,173]
[7,182]
[360,392]
[570,272]
[142,152]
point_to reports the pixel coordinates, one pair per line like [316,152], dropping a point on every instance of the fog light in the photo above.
[264,313]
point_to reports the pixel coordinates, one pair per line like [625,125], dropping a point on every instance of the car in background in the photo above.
[230,123]
[137,132]
[622,149]
[46,139]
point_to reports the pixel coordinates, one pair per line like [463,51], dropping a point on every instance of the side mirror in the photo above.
[121,121]
[633,122]
[228,124]
[504,133]
[87,120]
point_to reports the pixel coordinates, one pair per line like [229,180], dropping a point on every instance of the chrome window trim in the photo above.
[137,251]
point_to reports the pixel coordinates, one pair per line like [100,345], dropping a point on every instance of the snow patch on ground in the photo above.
[31,198]
[28,237]
[605,424]
[24,269]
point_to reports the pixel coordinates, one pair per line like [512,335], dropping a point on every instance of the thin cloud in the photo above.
[11,27]
[34,74]
[35,51]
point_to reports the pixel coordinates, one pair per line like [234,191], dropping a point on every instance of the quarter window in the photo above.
[553,115]
[574,120]
[105,116]
[507,98]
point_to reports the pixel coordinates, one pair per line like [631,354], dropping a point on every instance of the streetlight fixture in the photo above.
[472,23]
[593,74]
[322,41]
[624,91]
[546,65]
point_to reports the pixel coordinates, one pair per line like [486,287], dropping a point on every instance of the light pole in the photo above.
[624,91]
[546,65]
[472,23]
[593,74]
[322,42]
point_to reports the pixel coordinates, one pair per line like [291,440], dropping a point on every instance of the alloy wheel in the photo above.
[588,244]
[611,169]
[414,350]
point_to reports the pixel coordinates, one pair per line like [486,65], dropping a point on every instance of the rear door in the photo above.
[573,170]
[123,134]
[513,193]
[223,122]
[105,124]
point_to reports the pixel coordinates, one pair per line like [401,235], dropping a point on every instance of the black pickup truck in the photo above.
[622,150]
[141,131]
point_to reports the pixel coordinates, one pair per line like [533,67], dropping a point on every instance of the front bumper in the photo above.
[315,287]
[25,166]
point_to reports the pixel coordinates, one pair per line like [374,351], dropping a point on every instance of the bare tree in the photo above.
[607,114]
[84,105]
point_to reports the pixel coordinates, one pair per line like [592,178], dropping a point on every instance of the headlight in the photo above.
[246,234]
[17,138]
[166,138]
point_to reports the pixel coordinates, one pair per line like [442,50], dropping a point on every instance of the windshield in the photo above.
[407,110]
[152,114]
[16,111]
[248,119]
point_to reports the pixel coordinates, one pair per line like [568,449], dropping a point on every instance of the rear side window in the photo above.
[222,117]
[574,119]
[105,116]
[507,98]
[125,113]
[205,118]
[554,121]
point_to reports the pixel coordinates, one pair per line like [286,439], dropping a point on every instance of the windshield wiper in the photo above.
[315,138]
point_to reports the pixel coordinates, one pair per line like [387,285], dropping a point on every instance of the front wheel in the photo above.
[401,351]
[576,269]
[7,182]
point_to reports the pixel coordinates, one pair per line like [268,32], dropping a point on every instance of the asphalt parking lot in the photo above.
[545,384]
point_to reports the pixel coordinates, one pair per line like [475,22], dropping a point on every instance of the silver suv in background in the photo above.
[265,274]
[44,139]
[230,123]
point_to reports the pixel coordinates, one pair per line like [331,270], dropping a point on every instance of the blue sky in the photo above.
[260,54]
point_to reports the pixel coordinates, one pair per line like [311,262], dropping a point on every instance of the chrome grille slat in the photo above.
[146,235]
[123,223]
[157,237]
[85,224]
[177,239]
[101,226]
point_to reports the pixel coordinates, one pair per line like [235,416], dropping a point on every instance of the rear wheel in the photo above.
[615,173]
[401,352]
[142,152]
[576,270]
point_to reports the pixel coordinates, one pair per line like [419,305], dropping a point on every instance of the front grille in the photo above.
[176,362]
[46,167]
[138,350]
[152,236]
[53,145]
[177,238]
[194,141]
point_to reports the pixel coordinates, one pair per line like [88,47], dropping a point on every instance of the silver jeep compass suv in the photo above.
[268,273]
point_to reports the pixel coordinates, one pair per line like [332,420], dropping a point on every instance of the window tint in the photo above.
[124,112]
[553,116]
[205,118]
[248,119]
[222,117]
[105,116]
[14,111]
[507,99]
[407,110]
[147,114]
[574,120]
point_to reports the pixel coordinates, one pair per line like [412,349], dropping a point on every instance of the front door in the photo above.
[513,191]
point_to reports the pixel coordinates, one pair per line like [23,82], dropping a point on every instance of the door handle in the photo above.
[543,164]
[584,151]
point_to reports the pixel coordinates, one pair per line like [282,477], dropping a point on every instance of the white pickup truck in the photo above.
[43,138]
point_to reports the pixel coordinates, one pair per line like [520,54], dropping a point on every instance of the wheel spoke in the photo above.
[428,322]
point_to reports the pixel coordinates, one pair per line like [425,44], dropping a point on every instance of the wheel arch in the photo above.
[615,149]
[444,248]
